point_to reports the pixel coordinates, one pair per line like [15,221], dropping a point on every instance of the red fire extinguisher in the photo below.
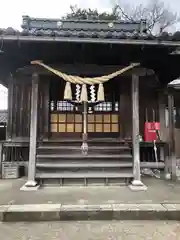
[151,129]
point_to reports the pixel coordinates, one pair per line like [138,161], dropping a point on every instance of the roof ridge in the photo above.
[26,17]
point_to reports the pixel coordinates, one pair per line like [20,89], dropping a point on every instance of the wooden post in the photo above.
[125,109]
[136,183]
[10,109]
[1,158]
[46,110]
[31,183]
[162,107]
[84,146]
[172,136]
[163,134]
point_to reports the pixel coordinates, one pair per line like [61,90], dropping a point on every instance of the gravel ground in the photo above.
[113,230]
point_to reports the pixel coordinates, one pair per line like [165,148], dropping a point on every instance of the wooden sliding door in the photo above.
[103,120]
[66,120]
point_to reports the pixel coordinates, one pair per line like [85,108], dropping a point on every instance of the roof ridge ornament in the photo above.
[59,24]
[111,25]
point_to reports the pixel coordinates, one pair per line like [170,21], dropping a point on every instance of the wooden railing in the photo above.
[17,153]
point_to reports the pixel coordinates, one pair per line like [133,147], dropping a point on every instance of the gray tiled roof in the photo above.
[86,29]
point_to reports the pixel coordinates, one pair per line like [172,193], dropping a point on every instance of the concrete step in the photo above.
[84,174]
[90,212]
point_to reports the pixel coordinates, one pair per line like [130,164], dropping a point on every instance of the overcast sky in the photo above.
[12,11]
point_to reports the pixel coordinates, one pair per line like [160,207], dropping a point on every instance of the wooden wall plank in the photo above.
[10,108]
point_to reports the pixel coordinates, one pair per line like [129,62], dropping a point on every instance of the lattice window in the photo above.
[64,106]
[103,107]
[52,106]
[107,107]
[116,107]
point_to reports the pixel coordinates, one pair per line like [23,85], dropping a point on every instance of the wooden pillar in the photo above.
[33,133]
[1,158]
[9,128]
[84,146]
[136,183]
[46,110]
[163,133]
[172,136]
[162,108]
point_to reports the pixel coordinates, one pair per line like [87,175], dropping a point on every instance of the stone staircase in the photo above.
[108,162]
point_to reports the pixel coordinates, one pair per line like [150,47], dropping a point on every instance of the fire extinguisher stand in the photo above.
[151,132]
[151,129]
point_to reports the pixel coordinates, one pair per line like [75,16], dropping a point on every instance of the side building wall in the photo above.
[19,108]
[16,147]
[19,105]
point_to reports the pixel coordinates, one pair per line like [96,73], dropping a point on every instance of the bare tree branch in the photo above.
[155,13]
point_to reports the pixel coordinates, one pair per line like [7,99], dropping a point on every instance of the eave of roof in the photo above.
[88,40]
[87,31]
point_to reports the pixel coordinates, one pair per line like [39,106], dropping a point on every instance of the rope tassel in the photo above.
[84,95]
[68,91]
[100,93]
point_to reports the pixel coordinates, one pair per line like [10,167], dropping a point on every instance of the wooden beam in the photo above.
[136,183]
[172,136]
[18,39]
[33,133]
[85,69]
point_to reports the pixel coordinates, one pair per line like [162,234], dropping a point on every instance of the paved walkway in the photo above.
[159,191]
[160,202]
[105,230]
